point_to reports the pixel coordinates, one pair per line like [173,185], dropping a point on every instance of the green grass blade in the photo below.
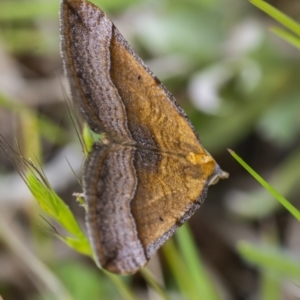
[53,205]
[259,203]
[154,284]
[31,141]
[122,287]
[270,259]
[287,36]
[291,208]
[196,269]
[269,286]
[56,208]
[180,271]
[50,130]
[277,15]
[80,245]
[87,137]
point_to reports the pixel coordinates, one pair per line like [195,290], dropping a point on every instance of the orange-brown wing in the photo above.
[116,91]
[136,200]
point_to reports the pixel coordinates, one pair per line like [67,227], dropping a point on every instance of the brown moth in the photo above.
[151,173]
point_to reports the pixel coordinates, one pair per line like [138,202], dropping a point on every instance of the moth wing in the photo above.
[136,200]
[115,90]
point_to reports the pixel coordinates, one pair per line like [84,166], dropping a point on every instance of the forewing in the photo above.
[116,91]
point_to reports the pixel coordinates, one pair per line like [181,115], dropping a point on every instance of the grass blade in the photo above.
[277,15]
[290,207]
[154,284]
[180,271]
[270,259]
[269,286]
[288,37]
[122,287]
[196,269]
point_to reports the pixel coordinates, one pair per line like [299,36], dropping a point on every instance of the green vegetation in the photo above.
[223,49]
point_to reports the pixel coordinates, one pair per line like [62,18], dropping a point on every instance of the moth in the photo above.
[150,173]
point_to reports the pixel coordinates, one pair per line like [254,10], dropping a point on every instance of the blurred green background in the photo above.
[238,83]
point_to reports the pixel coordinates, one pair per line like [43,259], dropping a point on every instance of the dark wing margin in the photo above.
[110,184]
[85,38]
